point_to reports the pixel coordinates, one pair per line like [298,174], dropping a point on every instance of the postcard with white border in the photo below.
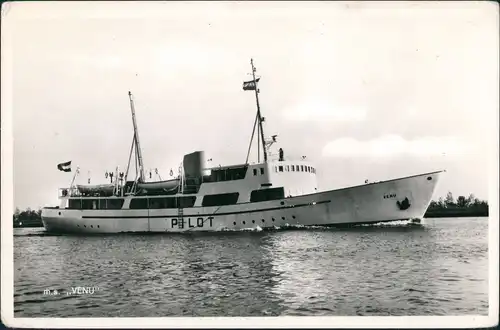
[249,164]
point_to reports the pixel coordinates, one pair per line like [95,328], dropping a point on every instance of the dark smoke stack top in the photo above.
[194,164]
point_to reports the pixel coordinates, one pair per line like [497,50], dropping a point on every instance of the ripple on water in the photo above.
[438,268]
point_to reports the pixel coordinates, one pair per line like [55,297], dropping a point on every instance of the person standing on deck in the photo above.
[281,155]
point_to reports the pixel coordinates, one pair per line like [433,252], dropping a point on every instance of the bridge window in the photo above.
[159,203]
[220,199]
[163,203]
[293,168]
[281,168]
[287,168]
[75,204]
[186,201]
[270,194]
[276,169]
[114,203]
[254,171]
[90,204]
[228,174]
[262,171]
[171,203]
[139,203]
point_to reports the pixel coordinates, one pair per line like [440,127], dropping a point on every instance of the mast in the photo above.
[136,140]
[258,112]
[258,120]
[74,177]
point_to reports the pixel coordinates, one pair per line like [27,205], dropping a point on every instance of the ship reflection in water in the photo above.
[437,268]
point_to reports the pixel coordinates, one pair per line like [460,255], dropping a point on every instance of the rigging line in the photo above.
[258,144]
[217,209]
[130,158]
[136,134]
[136,163]
[207,217]
[251,139]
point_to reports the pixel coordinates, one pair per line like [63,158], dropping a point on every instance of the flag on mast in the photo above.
[250,85]
[65,167]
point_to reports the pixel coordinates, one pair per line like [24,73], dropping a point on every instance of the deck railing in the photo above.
[75,192]
[69,192]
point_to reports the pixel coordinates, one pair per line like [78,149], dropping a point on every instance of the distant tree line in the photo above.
[27,218]
[462,206]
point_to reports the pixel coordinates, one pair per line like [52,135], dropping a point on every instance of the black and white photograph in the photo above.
[250,164]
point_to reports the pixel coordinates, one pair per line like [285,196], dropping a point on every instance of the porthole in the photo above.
[429,178]
[98,226]
[59,213]
[243,222]
[91,226]
[234,223]
[78,225]
[273,219]
[282,203]
[253,221]
[293,216]
[263,220]
[282,218]
[85,226]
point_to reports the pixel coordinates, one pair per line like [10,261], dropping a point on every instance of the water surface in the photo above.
[437,268]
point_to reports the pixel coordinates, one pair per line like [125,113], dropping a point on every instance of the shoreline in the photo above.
[428,215]
[431,215]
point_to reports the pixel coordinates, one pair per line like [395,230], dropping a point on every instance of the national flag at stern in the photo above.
[250,85]
[65,167]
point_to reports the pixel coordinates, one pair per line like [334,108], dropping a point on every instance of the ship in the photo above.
[273,192]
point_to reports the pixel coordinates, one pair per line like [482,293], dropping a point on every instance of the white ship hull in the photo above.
[399,199]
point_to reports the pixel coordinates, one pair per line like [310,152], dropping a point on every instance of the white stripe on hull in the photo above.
[361,204]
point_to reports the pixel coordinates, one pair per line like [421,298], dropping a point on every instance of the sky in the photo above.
[368,90]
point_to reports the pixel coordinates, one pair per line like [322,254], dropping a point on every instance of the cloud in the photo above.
[393,145]
[324,111]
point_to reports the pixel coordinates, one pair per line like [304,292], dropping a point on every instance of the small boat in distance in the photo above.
[274,192]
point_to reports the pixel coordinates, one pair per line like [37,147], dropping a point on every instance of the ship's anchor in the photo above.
[405,204]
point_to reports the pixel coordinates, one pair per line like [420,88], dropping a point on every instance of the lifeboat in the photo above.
[157,185]
[106,189]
